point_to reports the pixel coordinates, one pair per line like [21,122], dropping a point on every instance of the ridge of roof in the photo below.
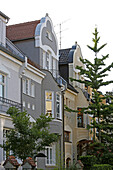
[23,23]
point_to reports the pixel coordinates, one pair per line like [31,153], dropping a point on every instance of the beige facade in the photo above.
[75,129]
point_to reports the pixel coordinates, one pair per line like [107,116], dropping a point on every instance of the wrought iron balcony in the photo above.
[6,103]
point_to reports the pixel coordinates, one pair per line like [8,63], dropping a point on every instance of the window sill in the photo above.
[50,165]
[68,141]
[28,95]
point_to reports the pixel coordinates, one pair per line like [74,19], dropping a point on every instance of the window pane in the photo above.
[1,90]
[47,155]
[50,155]
[1,78]
[49,108]
[48,95]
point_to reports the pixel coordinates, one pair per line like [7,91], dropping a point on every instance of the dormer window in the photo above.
[48,35]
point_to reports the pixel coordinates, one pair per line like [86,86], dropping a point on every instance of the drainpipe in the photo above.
[22,72]
[63,129]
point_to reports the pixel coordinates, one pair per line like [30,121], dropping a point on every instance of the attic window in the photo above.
[48,35]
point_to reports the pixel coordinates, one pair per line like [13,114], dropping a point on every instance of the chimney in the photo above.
[3,21]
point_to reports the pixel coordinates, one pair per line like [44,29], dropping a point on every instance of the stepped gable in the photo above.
[21,31]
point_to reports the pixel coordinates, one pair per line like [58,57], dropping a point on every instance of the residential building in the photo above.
[38,41]
[75,98]
[10,82]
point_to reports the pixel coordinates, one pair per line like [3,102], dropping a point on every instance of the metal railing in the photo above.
[6,103]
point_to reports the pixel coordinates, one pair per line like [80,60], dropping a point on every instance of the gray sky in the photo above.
[78,18]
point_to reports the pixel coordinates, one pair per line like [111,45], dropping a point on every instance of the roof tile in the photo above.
[21,31]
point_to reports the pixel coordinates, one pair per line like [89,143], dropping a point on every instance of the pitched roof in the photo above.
[12,160]
[64,53]
[30,161]
[21,31]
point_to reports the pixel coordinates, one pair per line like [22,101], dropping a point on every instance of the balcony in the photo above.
[6,103]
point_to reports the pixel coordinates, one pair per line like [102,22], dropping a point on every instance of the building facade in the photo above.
[76,97]
[38,41]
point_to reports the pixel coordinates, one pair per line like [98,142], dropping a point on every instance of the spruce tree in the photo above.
[94,73]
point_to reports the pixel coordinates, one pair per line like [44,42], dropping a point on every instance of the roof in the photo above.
[30,161]
[64,53]
[12,160]
[21,31]
[4,49]
[69,86]
[5,16]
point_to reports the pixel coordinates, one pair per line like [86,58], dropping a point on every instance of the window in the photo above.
[32,90]
[67,136]
[58,106]
[47,60]
[5,132]
[2,85]
[48,35]
[28,87]
[49,103]
[33,107]
[50,153]
[80,118]
[28,105]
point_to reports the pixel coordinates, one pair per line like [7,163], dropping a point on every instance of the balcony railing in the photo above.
[6,103]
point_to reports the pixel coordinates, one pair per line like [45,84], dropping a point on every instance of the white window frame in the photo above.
[32,89]
[51,159]
[52,100]
[60,106]
[4,85]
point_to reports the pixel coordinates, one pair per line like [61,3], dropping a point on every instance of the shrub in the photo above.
[102,167]
[88,160]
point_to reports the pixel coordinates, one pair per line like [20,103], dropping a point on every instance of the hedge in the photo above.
[88,160]
[101,167]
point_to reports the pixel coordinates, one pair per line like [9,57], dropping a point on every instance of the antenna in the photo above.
[60,32]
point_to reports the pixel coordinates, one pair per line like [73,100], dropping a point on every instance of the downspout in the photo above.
[22,72]
[63,129]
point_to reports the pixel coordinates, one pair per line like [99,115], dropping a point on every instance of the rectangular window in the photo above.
[47,60]
[28,87]
[32,90]
[50,153]
[67,136]
[80,118]
[5,132]
[49,103]
[2,85]
[58,106]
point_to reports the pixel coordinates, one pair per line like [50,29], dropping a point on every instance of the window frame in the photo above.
[3,84]
[60,106]
[52,102]
[51,161]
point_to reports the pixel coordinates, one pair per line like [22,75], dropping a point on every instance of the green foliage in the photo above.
[88,160]
[94,74]
[27,138]
[107,158]
[102,167]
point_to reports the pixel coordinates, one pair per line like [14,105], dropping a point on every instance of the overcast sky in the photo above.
[78,19]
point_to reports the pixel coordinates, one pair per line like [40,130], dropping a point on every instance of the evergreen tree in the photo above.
[28,138]
[94,73]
